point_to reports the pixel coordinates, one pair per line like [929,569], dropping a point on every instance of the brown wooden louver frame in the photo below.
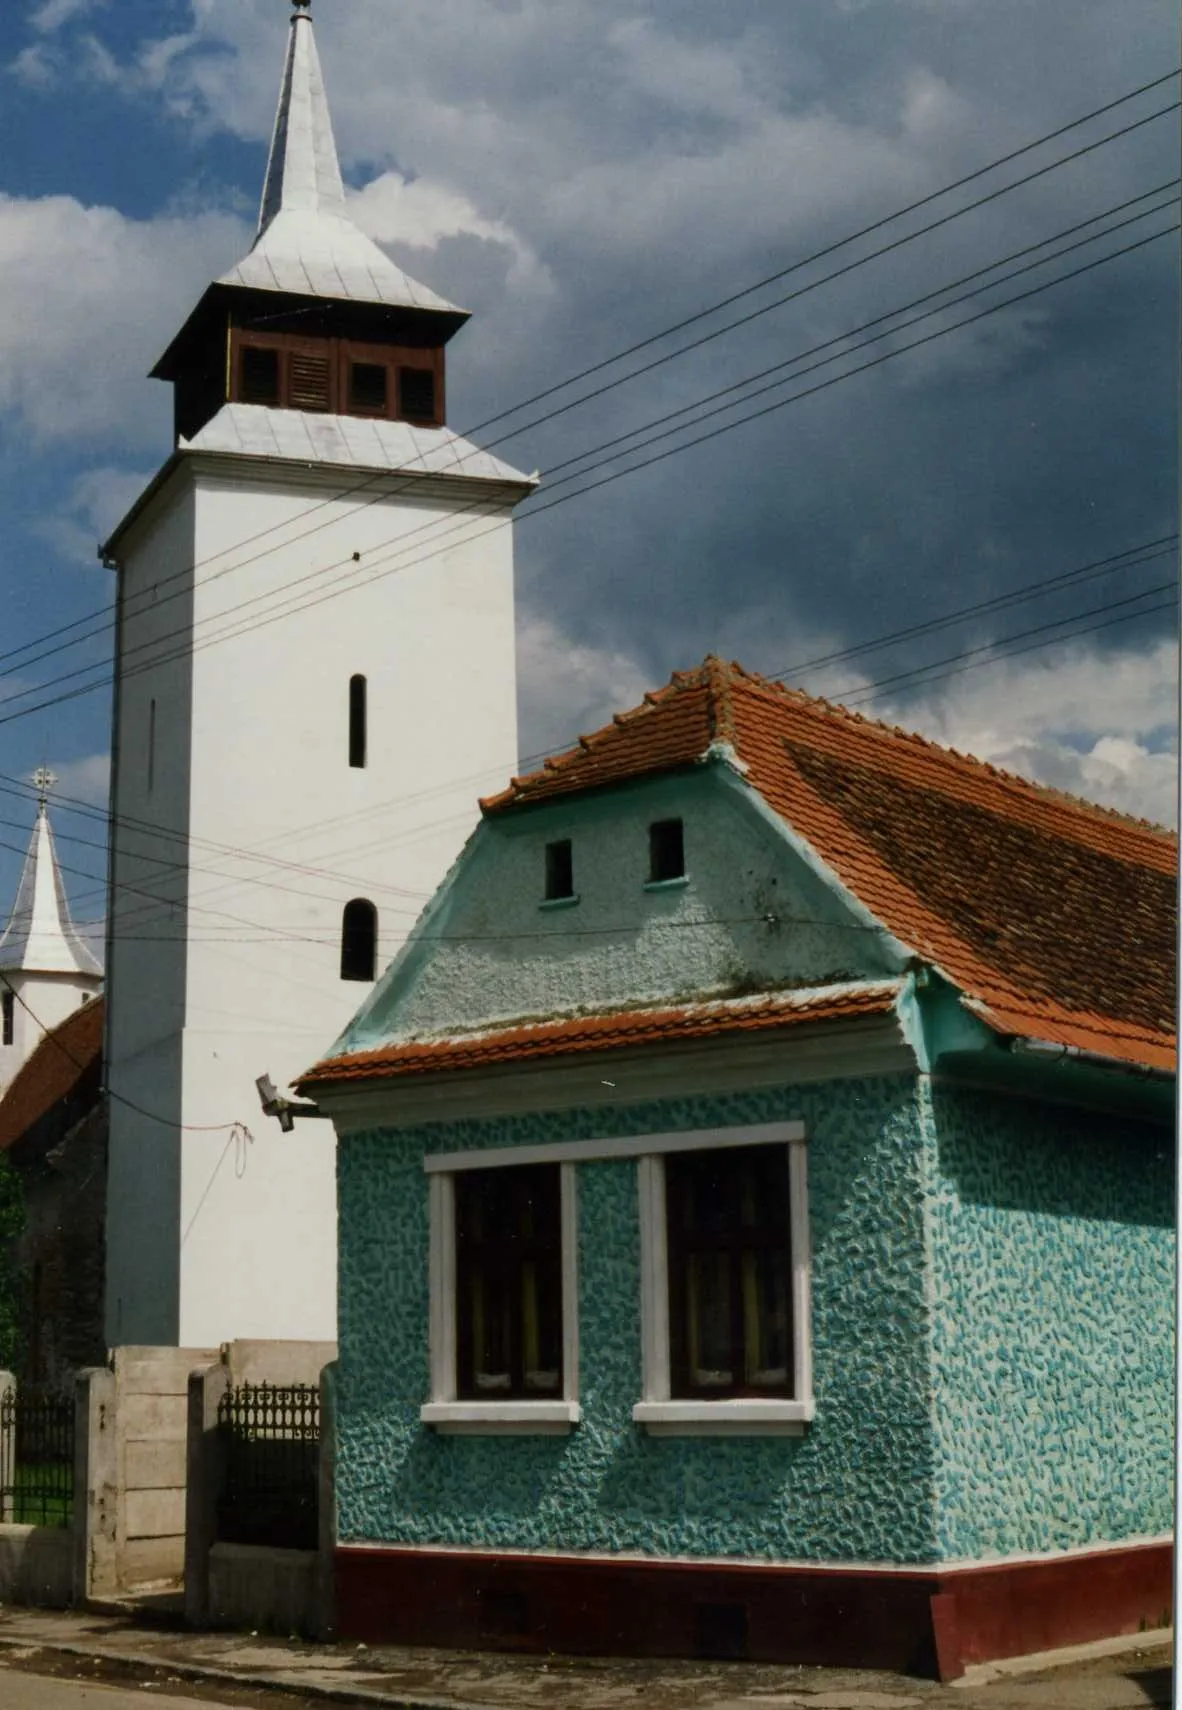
[338,376]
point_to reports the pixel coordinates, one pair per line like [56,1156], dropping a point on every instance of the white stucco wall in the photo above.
[252,758]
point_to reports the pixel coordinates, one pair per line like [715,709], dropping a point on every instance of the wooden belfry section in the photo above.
[316,318]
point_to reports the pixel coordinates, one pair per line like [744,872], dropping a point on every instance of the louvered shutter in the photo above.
[309,389]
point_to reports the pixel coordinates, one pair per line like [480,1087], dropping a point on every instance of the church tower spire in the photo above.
[315,635]
[303,173]
[45,968]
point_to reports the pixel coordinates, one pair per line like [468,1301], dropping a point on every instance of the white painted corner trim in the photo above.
[490,1417]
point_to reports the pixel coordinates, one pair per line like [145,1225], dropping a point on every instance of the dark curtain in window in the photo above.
[359,940]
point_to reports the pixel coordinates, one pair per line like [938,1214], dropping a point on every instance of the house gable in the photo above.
[753,913]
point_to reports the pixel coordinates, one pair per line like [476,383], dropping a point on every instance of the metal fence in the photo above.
[36,1459]
[271,1444]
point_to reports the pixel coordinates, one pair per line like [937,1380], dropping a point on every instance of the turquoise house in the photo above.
[756,1208]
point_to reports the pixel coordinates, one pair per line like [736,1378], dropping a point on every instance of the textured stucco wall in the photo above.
[1052,1270]
[753,913]
[858,1486]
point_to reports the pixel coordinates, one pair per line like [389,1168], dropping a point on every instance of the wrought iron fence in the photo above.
[271,1444]
[36,1459]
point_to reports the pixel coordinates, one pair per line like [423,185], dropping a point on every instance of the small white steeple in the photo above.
[40,936]
[46,971]
[306,241]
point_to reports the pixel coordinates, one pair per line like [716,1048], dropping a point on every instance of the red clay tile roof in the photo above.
[1056,917]
[621,1030]
[55,1070]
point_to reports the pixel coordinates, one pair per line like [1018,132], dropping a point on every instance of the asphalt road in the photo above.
[21,1690]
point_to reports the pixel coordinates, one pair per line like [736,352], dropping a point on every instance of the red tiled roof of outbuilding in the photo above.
[619,1030]
[56,1069]
[1053,916]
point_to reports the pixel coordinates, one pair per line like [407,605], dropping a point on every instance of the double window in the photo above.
[724,1301]
[334,375]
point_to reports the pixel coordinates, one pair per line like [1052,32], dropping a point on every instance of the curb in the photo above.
[1044,1662]
[329,1693]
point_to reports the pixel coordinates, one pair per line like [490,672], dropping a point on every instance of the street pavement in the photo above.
[87,1661]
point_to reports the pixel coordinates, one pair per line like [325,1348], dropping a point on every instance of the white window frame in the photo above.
[658,1412]
[488,1417]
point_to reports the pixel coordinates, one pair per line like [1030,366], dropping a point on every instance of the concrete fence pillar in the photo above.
[96,1486]
[7,1453]
[325,1611]
[205,1477]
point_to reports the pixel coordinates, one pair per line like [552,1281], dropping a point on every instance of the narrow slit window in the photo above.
[359,940]
[358,722]
[666,850]
[369,388]
[416,394]
[151,746]
[259,376]
[560,870]
[8,1006]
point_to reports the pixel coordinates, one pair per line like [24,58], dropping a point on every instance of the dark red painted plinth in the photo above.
[917,1620]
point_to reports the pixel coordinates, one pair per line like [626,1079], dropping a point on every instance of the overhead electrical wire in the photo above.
[235,1128]
[1131,558]
[104,614]
[190,647]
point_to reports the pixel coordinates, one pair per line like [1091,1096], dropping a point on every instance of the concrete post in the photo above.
[96,1482]
[205,1457]
[325,1612]
[7,1454]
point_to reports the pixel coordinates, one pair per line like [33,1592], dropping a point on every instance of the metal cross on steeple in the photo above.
[43,781]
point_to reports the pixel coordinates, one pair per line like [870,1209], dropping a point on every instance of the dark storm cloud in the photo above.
[587,173]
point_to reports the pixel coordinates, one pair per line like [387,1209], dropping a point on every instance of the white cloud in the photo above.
[1098,726]
[566,688]
[86,780]
[54,13]
[421,214]
[92,298]
[97,500]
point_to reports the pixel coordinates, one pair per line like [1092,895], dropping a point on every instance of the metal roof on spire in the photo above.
[306,242]
[40,937]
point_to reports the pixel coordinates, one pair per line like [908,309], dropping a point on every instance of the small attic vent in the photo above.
[309,383]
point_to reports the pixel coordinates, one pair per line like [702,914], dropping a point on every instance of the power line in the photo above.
[741,386]
[871,691]
[670,331]
[838,273]
[832,248]
[117,1098]
[1131,558]
[158,659]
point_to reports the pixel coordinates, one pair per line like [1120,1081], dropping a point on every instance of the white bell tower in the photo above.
[315,678]
[45,968]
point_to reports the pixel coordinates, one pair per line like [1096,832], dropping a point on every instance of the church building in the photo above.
[315,676]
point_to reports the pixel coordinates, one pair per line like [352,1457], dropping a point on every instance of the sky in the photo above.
[583,175]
